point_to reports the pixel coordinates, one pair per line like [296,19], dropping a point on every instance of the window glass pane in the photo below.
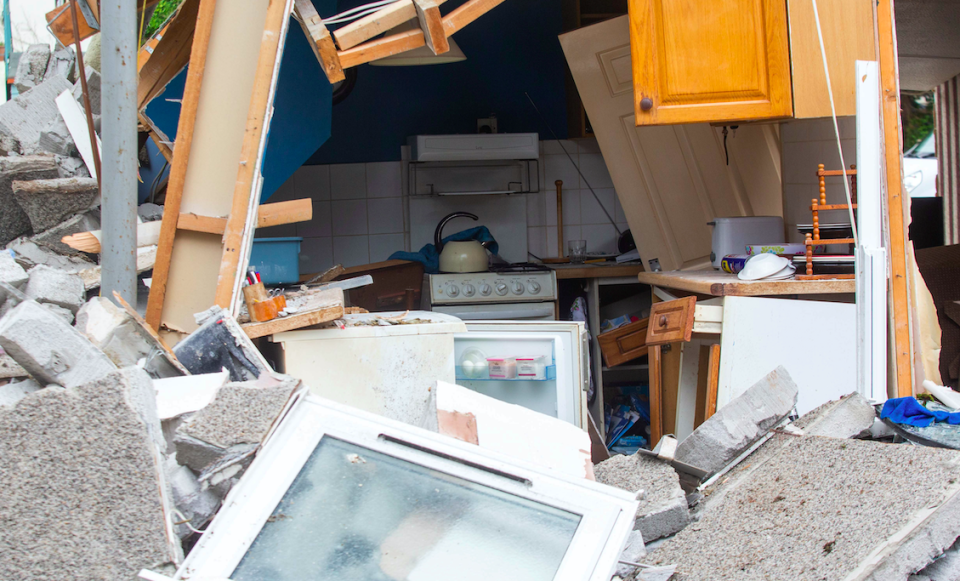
[355,514]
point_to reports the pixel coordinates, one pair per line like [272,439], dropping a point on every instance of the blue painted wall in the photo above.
[301,120]
[510,50]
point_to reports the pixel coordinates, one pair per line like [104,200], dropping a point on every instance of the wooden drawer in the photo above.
[624,343]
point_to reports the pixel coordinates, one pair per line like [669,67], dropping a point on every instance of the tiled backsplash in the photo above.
[360,214]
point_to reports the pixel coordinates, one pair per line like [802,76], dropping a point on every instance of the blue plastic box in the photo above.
[276,259]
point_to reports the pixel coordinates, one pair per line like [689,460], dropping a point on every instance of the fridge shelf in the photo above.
[551,375]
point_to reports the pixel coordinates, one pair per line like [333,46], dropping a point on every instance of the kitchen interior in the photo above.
[495,141]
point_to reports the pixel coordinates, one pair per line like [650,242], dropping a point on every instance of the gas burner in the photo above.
[518,267]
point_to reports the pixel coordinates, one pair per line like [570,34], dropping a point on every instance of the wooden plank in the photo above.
[365,28]
[275,214]
[428,12]
[624,343]
[671,321]
[298,321]
[178,169]
[411,39]
[712,381]
[670,368]
[607,270]
[847,27]
[656,413]
[719,284]
[238,237]
[893,156]
[170,55]
[320,40]
[703,372]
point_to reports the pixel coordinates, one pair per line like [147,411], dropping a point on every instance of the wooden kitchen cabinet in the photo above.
[696,61]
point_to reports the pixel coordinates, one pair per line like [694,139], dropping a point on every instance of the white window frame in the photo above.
[607,514]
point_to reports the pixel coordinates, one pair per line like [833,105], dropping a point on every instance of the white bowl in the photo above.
[762,266]
[787,272]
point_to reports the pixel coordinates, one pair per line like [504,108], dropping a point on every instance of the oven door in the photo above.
[501,311]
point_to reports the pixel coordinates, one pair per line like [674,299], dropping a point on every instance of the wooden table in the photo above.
[720,284]
[597,270]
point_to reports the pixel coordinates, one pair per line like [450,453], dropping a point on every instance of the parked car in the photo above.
[920,169]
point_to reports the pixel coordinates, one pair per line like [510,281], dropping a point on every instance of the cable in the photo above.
[836,128]
[358,12]
[575,165]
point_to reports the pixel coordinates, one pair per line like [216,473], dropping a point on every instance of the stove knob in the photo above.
[518,288]
[485,289]
[533,287]
[501,289]
[468,290]
[452,290]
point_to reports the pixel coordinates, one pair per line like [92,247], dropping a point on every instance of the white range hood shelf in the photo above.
[474,147]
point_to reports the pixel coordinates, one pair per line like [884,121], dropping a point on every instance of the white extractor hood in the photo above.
[476,147]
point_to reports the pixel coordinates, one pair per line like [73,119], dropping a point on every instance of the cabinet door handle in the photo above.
[646,104]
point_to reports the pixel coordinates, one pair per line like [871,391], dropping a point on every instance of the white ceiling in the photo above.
[928,41]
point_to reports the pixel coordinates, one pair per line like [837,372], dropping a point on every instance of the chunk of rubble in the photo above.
[50,349]
[48,202]
[85,496]
[56,287]
[27,114]
[10,368]
[32,66]
[824,508]
[55,138]
[11,273]
[65,314]
[945,568]
[13,392]
[848,417]
[233,425]
[632,552]
[196,505]
[93,90]
[150,212]
[663,504]
[740,423]
[13,220]
[63,63]
[53,238]
[32,253]
[71,167]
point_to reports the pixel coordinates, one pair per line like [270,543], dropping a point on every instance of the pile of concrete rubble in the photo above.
[46,192]
[753,495]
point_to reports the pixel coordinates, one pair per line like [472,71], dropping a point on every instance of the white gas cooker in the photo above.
[516,292]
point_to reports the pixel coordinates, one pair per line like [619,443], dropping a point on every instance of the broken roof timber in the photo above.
[320,40]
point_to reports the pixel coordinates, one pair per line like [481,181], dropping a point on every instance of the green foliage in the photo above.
[916,115]
[163,11]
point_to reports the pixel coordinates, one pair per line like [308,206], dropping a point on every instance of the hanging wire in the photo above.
[358,12]
[836,128]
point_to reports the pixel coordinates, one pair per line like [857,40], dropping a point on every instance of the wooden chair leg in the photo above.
[713,381]
[656,411]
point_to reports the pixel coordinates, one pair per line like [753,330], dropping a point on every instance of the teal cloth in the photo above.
[430,258]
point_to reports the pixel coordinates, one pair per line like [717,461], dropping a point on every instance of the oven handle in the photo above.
[497,314]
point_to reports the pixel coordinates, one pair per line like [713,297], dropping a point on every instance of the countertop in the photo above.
[717,283]
[597,270]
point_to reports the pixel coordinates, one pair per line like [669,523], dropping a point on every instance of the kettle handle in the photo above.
[438,234]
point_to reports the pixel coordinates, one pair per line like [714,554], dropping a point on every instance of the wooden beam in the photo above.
[178,170]
[411,39]
[713,381]
[656,386]
[428,11]
[239,233]
[276,214]
[893,157]
[365,28]
[320,40]
[170,55]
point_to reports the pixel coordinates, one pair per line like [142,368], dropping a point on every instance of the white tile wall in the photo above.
[360,212]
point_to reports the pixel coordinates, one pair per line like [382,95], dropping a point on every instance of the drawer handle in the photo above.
[646,104]
[663,321]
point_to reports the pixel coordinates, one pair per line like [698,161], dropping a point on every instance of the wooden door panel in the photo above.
[671,180]
[710,61]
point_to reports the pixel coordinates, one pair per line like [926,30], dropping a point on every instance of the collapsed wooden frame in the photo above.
[433,32]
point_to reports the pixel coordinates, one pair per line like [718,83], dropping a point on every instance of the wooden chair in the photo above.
[819,205]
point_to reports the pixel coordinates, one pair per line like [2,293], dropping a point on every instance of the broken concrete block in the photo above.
[85,495]
[13,220]
[235,423]
[740,423]
[11,273]
[63,63]
[32,66]
[49,202]
[26,115]
[632,553]
[71,167]
[197,505]
[8,367]
[663,505]
[49,349]
[65,314]
[847,417]
[55,138]
[945,568]
[93,89]
[49,285]
[11,393]
[97,319]
[825,508]
[150,212]
[53,238]
[32,253]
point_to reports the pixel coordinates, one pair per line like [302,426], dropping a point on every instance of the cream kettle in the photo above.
[463,255]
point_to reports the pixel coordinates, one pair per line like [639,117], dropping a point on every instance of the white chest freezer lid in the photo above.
[439,323]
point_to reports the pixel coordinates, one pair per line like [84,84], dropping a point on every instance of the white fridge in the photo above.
[564,347]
